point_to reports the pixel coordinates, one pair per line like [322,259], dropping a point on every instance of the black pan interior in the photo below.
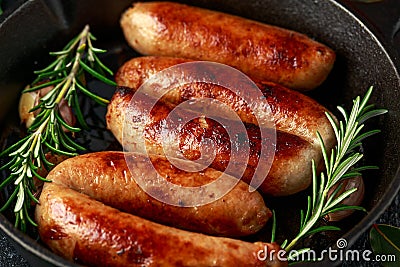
[40,26]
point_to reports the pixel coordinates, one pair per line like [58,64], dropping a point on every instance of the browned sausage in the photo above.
[88,232]
[292,111]
[131,123]
[106,177]
[261,51]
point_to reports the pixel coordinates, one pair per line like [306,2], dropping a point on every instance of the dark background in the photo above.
[383,18]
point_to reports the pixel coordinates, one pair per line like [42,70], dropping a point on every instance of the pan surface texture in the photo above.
[40,26]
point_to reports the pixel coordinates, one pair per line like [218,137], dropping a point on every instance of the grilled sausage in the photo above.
[106,177]
[133,122]
[292,111]
[261,51]
[90,233]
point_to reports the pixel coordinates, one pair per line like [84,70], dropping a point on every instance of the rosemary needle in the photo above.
[65,77]
[339,165]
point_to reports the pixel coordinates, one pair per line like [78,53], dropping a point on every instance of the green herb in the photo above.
[46,134]
[385,241]
[339,165]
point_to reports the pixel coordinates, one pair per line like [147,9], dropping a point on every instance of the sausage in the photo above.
[43,172]
[90,233]
[261,51]
[131,123]
[106,177]
[292,111]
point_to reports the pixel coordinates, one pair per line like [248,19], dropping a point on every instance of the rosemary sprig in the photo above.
[46,133]
[339,166]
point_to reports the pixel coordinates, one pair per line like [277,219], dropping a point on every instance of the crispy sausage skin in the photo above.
[106,177]
[90,233]
[292,111]
[261,51]
[132,122]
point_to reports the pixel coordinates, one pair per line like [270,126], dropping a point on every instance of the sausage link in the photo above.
[132,122]
[261,51]
[93,234]
[106,177]
[292,111]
